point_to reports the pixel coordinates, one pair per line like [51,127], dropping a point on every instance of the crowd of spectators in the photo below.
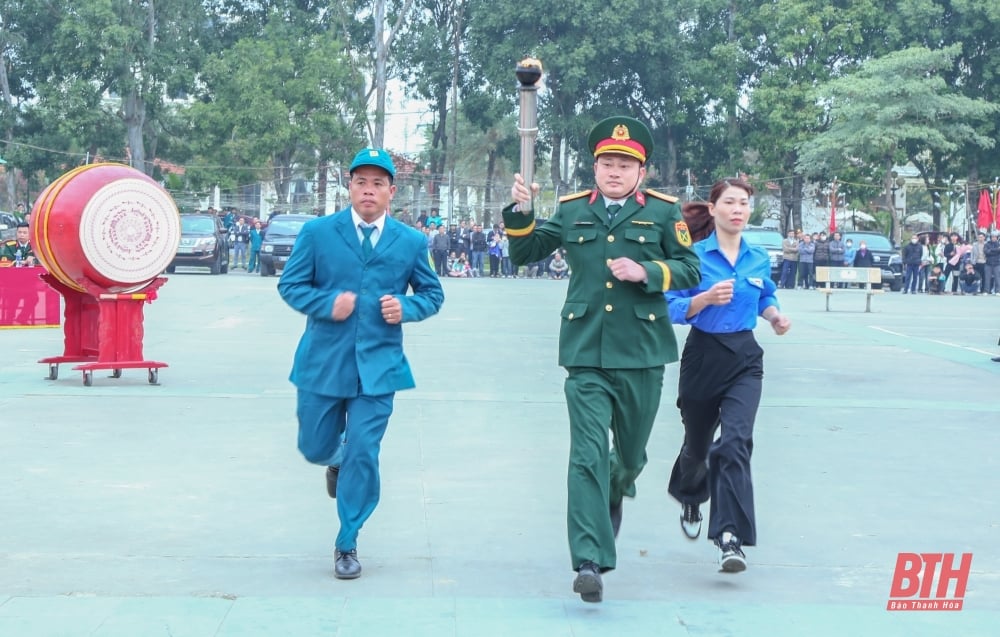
[947,265]
[467,250]
[802,252]
[952,265]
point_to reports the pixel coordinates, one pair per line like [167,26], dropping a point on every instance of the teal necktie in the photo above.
[366,243]
[612,211]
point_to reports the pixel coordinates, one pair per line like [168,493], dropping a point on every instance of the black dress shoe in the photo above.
[331,481]
[616,518]
[588,582]
[346,564]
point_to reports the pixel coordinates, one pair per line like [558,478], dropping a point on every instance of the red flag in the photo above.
[985,219]
[996,209]
[833,212]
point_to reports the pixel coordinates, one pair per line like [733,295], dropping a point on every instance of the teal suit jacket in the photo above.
[361,354]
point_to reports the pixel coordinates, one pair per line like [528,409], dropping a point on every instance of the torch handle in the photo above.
[528,130]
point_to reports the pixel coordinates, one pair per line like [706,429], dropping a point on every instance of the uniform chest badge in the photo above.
[683,234]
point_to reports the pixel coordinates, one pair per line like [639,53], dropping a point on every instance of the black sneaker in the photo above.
[731,557]
[691,521]
[588,582]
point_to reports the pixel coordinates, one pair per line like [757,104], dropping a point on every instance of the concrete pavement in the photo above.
[185,509]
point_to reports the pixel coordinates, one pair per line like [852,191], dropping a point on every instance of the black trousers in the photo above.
[720,384]
[440,262]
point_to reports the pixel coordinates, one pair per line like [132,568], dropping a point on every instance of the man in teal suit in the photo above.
[349,274]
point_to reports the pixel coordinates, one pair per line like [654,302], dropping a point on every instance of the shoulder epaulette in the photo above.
[575,195]
[660,195]
[10,242]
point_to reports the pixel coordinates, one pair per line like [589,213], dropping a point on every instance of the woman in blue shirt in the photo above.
[721,371]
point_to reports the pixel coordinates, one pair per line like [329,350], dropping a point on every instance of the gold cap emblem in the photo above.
[620,132]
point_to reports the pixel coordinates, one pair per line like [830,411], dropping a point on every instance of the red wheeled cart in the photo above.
[105,233]
[104,331]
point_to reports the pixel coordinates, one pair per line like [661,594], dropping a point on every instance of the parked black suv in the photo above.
[203,244]
[279,237]
[770,240]
[885,256]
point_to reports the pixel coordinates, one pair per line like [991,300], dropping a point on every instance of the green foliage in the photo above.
[274,101]
[890,103]
[781,89]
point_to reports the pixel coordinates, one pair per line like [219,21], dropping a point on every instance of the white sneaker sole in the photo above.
[732,564]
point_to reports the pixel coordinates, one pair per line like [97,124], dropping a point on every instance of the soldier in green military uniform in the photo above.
[625,247]
[18,247]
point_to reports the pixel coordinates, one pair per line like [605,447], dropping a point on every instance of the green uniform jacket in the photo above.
[8,250]
[609,323]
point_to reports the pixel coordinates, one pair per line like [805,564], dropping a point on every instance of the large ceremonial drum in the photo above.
[108,224]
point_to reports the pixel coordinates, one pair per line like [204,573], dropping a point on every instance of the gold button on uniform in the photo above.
[608,261]
[611,238]
[652,317]
[579,240]
[608,285]
[570,317]
[608,308]
[642,239]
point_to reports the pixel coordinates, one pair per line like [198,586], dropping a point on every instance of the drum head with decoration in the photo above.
[129,230]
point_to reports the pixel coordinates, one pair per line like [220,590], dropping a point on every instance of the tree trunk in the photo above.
[135,121]
[282,176]
[8,100]
[669,176]
[135,104]
[439,151]
[491,166]
[895,233]
[732,122]
[555,167]
[381,58]
[321,181]
[382,44]
[452,156]
[794,201]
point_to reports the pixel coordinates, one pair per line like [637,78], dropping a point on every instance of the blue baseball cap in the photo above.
[373,157]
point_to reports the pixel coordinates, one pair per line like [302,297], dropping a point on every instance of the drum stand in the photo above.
[103,330]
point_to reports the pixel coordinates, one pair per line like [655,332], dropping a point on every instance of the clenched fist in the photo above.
[392,309]
[721,293]
[343,305]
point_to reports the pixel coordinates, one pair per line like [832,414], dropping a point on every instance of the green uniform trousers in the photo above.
[626,401]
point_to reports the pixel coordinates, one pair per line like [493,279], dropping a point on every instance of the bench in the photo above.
[865,278]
